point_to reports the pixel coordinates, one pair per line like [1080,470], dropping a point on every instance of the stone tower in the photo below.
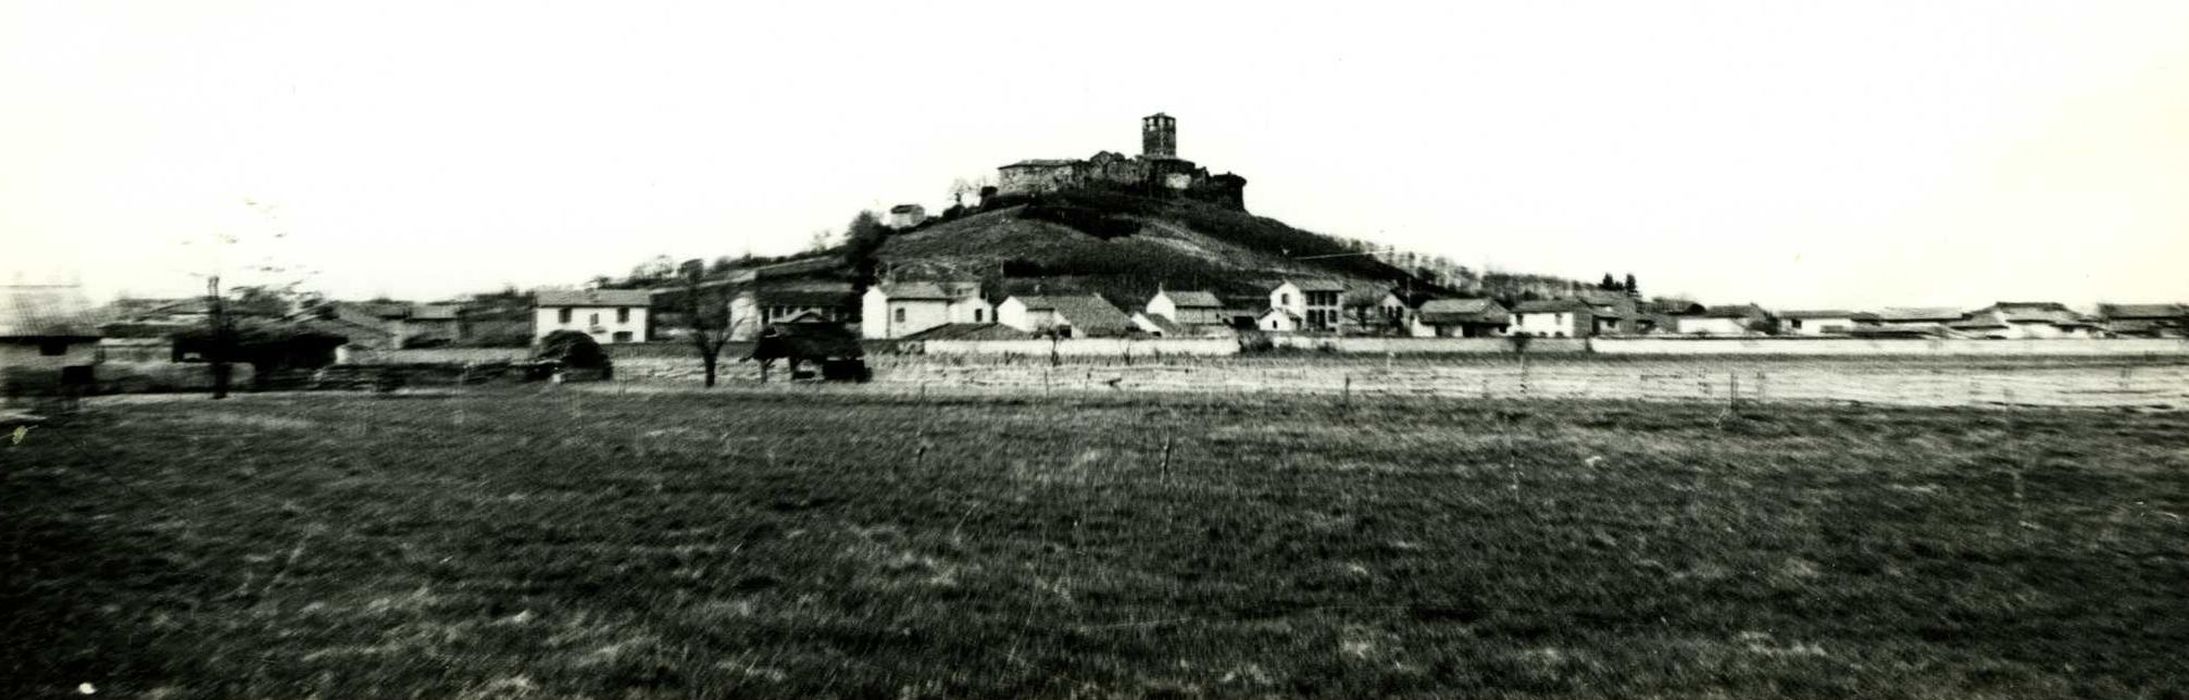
[1158,136]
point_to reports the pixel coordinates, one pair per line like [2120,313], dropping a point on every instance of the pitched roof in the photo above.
[592,297]
[1162,325]
[2152,311]
[1911,314]
[1442,311]
[1550,306]
[1826,313]
[802,295]
[970,331]
[1318,285]
[1088,313]
[1043,163]
[940,291]
[1735,311]
[434,312]
[52,311]
[1193,299]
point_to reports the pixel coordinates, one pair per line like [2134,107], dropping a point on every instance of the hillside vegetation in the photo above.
[1123,246]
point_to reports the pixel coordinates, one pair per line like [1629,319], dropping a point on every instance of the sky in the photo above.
[1794,154]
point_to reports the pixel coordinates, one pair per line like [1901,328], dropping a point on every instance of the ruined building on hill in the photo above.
[1157,170]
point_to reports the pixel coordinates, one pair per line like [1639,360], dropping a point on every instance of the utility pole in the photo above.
[217,315]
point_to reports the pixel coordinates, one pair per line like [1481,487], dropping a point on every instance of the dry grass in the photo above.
[684,544]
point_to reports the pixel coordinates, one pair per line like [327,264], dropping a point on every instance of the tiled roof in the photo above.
[1318,285]
[1042,163]
[31,311]
[1090,314]
[1442,311]
[970,331]
[1550,306]
[1825,313]
[592,297]
[940,291]
[1910,314]
[2150,311]
[1193,299]
[1735,311]
[434,312]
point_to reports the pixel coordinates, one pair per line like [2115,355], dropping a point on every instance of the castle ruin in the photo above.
[1157,170]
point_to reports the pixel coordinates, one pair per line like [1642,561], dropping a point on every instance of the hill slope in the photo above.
[1123,246]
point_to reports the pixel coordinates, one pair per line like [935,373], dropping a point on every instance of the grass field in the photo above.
[555,544]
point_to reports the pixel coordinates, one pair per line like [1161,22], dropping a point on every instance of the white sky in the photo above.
[1795,154]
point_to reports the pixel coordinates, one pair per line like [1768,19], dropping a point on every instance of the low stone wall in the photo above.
[347,355]
[1427,346]
[1112,347]
[1939,347]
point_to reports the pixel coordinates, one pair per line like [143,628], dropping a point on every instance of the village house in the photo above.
[396,324]
[609,315]
[905,216]
[49,340]
[2145,320]
[1553,318]
[769,302]
[1814,322]
[1312,305]
[1459,318]
[1731,320]
[1927,321]
[1189,308]
[1082,316]
[1612,313]
[2026,319]
[899,309]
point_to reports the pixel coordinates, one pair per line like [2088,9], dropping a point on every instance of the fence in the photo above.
[1113,347]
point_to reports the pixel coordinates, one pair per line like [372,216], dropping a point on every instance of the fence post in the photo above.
[1732,390]
[1346,399]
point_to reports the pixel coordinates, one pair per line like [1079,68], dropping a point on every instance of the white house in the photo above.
[1314,301]
[2028,319]
[1553,318]
[1812,322]
[1279,321]
[906,216]
[1071,316]
[899,309]
[1459,318]
[1190,308]
[1736,320]
[609,315]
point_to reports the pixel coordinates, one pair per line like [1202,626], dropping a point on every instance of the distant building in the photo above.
[2145,320]
[766,303]
[609,315]
[1189,308]
[1459,318]
[1085,316]
[905,216]
[1314,301]
[2027,319]
[1157,169]
[1813,322]
[1733,320]
[1553,318]
[48,340]
[899,309]
[400,324]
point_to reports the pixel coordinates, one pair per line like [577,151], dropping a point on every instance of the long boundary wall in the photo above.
[1428,346]
[1859,347]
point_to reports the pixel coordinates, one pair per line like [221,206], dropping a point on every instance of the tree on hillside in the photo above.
[1608,284]
[706,316]
[1632,289]
[863,240]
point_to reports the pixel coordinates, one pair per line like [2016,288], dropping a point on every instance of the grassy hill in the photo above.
[1123,246]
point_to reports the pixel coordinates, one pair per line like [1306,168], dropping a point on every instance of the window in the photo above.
[900,315]
[53,348]
[1284,300]
[562,316]
[1797,323]
[1520,318]
[622,336]
[592,319]
[623,315]
[976,316]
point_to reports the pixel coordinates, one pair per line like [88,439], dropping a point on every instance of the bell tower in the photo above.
[1158,136]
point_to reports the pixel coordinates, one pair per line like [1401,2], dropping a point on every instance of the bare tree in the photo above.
[707,316]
